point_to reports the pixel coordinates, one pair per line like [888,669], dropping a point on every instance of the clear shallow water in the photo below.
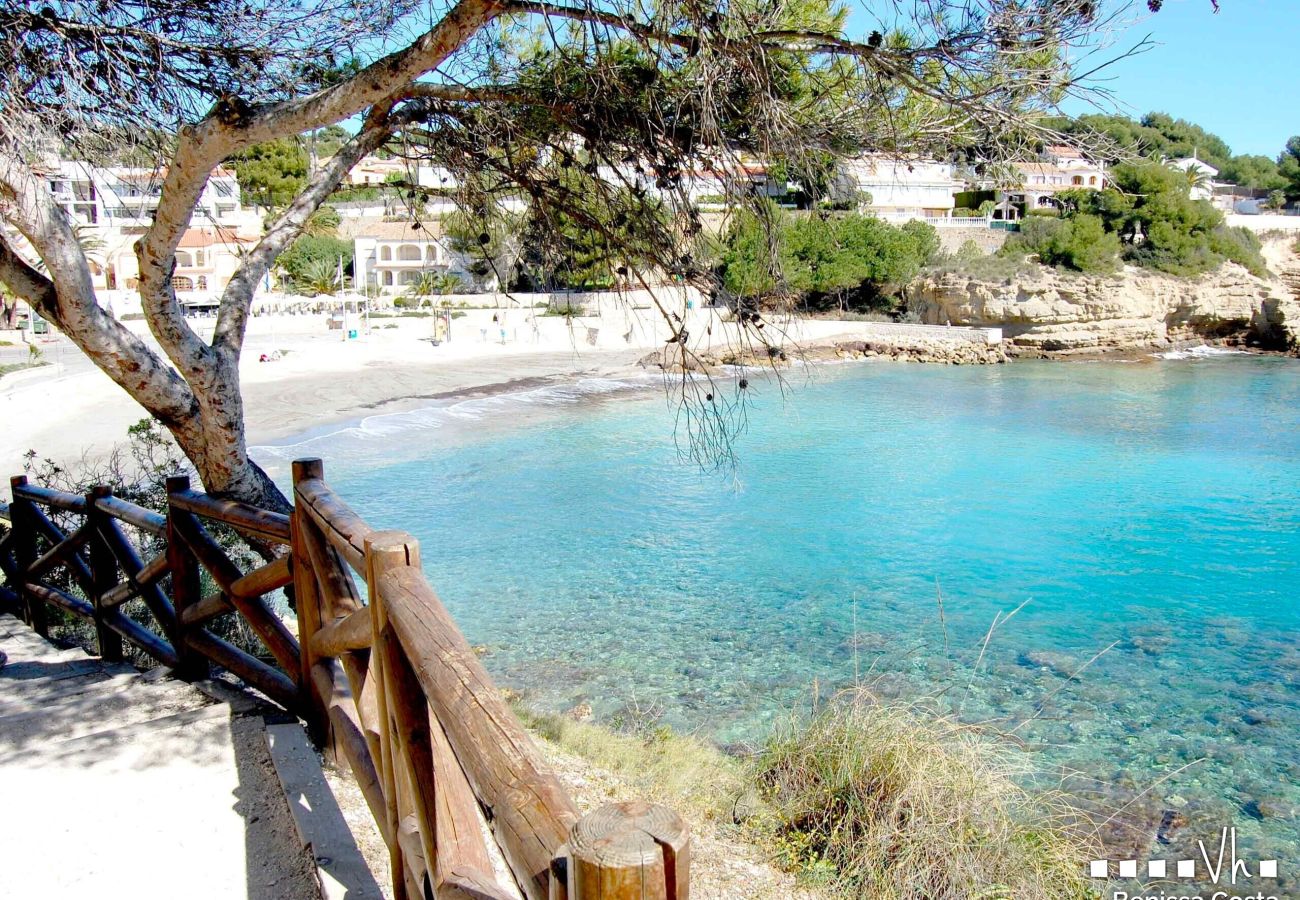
[1154,506]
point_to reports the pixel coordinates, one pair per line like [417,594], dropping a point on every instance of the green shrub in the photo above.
[825,255]
[1240,245]
[1080,243]
[313,254]
[1160,226]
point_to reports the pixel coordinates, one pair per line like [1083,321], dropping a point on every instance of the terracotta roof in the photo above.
[206,237]
[390,231]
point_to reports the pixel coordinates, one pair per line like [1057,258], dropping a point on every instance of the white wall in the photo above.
[1264,223]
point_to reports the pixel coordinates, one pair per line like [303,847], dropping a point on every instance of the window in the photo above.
[409,253]
[1078,179]
[1092,180]
[198,257]
[224,188]
[386,254]
[388,278]
[203,282]
[184,259]
[181,283]
[431,252]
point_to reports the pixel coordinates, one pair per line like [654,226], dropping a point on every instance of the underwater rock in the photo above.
[1061,664]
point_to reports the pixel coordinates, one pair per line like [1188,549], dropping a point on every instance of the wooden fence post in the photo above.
[385,551]
[625,851]
[103,574]
[24,531]
[307,602]
[187,589]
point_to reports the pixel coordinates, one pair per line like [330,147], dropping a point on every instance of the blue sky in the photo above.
[1237,74]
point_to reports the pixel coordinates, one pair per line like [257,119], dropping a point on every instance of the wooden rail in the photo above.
[383,677]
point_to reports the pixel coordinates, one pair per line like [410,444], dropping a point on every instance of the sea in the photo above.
[1097,561]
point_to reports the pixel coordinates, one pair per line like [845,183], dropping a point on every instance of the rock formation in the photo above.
[1051,312]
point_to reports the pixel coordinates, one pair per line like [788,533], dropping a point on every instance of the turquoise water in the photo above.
[1152,508]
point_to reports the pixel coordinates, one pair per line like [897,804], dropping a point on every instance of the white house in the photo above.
[900,189]
[394,255]
[1201,175]
[1060,169]
[111,206]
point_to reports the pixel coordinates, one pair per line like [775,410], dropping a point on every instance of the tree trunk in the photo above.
[214,440]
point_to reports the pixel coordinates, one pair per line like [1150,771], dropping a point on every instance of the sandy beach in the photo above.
[314,376]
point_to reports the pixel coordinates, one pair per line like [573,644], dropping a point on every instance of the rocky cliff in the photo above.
[1045,311]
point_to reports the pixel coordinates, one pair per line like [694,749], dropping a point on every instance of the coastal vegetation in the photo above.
[1144,217]
[1157,136]
[820,260]
[860,799]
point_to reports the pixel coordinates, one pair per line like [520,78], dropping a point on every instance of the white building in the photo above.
[395,255]
[111,206]
[1200,175]
[1060,169]
[124,197]
[900,189]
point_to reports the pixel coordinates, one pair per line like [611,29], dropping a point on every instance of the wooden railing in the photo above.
[384,679]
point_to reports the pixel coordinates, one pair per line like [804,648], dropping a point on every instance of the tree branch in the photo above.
[236,300]
[113,348]
[232,126]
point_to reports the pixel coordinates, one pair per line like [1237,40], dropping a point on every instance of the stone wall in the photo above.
[989,240]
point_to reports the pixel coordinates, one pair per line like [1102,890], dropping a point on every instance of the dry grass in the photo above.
[863,800]
[680,771]
[896,802]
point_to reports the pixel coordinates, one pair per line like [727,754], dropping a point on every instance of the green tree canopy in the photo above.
[271,174]
[1288,167]
[841,258]
[311,255]
[1146,217]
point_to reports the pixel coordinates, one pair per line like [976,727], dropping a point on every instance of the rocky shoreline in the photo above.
[926,348]
[1047,313]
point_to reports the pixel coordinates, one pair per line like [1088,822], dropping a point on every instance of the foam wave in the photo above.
[1204,351]
[436,416]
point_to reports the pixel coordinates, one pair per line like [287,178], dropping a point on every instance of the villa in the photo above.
[1036,184]
[900,189]
[392,256]
[1200,174]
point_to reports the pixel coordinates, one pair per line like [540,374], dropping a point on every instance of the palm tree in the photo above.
[433,284]
[319,276]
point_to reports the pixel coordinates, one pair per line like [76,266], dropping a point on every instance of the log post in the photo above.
[308,607]
[187,589]
[625,851]
[103,574]
[386,551]
[21,521]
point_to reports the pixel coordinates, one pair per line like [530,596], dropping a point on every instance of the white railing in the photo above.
[942,221]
